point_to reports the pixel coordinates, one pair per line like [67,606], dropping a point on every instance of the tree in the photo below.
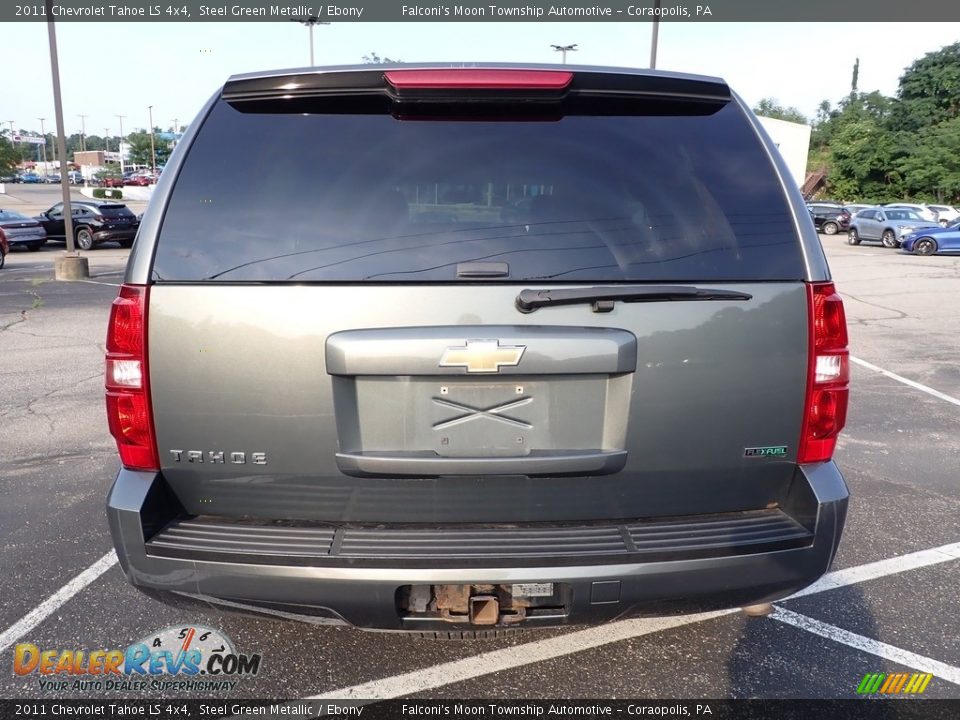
[771,108]
[929,90]
[139,143]
[8,156]
[374,59]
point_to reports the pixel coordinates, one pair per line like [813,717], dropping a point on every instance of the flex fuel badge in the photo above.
[777,451]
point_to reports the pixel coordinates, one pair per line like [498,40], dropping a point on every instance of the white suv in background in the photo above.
[945,213]
[924,211]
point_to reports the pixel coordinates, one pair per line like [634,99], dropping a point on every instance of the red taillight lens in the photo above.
[478,79]
[828,374]
[127,382]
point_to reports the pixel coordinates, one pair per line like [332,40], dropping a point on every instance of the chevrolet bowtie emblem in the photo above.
[482,356]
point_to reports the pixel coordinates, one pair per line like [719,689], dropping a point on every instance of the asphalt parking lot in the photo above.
[889,605]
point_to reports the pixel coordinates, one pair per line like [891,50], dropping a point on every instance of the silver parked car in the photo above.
[484,347]
[888,225]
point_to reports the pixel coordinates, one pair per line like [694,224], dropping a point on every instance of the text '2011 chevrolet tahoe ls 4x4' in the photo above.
[480,347]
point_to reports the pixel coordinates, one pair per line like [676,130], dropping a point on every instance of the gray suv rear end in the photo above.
[449,349]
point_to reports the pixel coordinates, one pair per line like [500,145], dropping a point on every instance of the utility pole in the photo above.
[153,148]
[44,133]
[120,148]
[564,49]
[310,21]
[70,266]
[656,34]
[106,139]
[83,132]
[176,130]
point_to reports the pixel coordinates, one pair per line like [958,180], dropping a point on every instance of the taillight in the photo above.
[828,374]
[127,381]
[478,78]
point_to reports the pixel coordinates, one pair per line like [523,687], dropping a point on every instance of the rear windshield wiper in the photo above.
[603,298]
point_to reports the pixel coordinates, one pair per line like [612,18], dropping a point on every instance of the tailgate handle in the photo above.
[428,463]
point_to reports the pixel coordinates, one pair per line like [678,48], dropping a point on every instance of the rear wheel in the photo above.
[925,246]
[84,239]
[126,243]
[853,237]
[889,239]
[830,228]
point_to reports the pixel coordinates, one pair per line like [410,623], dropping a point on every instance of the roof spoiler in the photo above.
[408,84]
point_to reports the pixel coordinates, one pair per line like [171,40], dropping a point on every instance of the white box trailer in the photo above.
[793,141]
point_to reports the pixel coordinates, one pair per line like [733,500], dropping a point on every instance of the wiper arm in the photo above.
[603,298]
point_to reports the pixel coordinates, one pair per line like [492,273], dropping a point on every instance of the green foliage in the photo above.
[139,143]
[109,193]
[877,148]
[771,108]
[374,59]
[8,157]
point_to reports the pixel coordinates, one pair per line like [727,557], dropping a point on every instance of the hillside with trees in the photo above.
[877,148]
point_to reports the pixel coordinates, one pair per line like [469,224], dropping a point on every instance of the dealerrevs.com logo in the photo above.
[176,658]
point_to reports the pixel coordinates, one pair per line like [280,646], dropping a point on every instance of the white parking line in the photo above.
[42,611]
[868,645]
[906,381]
[486,663]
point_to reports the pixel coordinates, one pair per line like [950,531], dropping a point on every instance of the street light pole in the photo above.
[176,129]
[120,146]
[44,133]
[106,139]
[564,49]
[71,266]
[656,35]
[310,21]
[83,132]
[153,148]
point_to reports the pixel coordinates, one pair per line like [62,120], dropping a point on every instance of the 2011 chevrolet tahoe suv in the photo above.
[481,347]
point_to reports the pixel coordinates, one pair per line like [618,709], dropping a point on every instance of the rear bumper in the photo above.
[364,592]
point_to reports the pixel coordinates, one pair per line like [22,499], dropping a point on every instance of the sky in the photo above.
[110,69]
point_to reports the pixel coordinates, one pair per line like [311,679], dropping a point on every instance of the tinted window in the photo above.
[369,197]
[11,215]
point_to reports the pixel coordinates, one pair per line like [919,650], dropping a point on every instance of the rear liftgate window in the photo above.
[353,198]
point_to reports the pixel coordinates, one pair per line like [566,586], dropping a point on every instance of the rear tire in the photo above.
[830,228]
[925,246]
[853,237]
[126,243]
[889,239]
[85,239]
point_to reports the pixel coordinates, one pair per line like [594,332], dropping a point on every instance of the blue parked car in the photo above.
[31,178]
[934,240]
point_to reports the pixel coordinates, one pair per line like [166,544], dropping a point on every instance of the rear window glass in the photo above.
[348,198]
[11,215]
[114,210]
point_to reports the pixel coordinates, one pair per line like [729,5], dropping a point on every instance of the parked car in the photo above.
[140,179]
[94,222]
[20,230]
[31,178]
[929,241]
[945,213]
[924,211]
[829,219]
[75,177]
[52,179]
[455,402]
[887,225]
[854,208]
[11,178]
[107,179]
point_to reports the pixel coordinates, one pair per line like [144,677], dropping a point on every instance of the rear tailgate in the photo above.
[341,340]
